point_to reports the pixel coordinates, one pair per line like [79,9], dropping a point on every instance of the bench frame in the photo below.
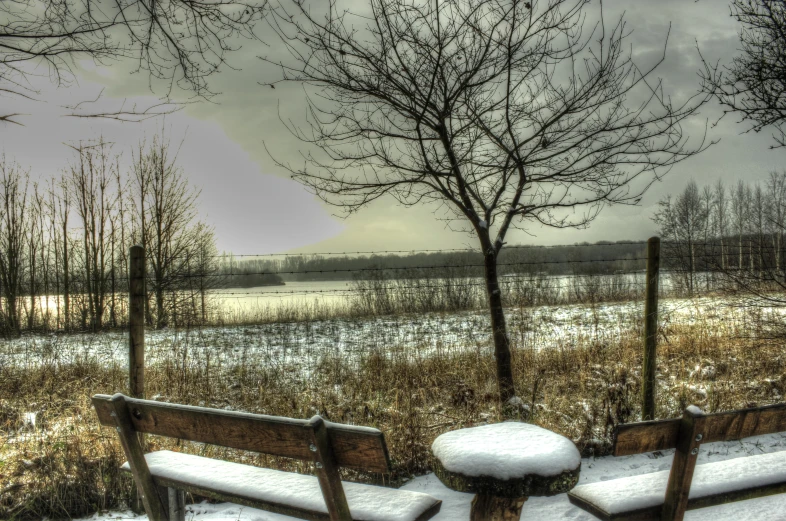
[329,446]
[686,434]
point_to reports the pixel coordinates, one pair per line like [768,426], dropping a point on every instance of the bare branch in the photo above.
[131,114]
[182,42]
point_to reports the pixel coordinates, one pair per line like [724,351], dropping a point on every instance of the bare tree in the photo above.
[13,232]
[90,185]
[683,222]
[708,203]
[165,220]
[720,209]
[61,204]
[504,112]
[36,265]
[180,41]
[759,210]
[202,269]
[776,191]
[740,211]
[754,84]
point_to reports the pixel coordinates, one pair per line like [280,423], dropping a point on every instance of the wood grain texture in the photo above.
[354,447]
[156,508]
[529,485]
[136,321]
[743,423]
[650,362]
[649,436]
[654,513]
[636,438]
[682,468]
[327,472]
[493,508]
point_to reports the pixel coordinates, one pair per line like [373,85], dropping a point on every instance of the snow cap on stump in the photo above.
[506,451]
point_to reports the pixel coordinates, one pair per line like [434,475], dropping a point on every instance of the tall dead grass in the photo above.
[65,465]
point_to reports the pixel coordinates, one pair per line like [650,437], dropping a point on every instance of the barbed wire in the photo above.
[446,250]
[747,242]
[267,294]
[376,269]
[440,266]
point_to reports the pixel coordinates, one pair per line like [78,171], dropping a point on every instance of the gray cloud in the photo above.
[256,208]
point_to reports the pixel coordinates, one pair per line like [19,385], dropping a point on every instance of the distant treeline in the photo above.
[584,258]
[735,235]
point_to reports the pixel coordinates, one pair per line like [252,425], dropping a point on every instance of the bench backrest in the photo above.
[649,436]
[685,435]
[361,448]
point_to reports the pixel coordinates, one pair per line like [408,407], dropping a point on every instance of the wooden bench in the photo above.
[666,495]
[163,477]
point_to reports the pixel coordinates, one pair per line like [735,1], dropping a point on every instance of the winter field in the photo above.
[414,376]
[300,345]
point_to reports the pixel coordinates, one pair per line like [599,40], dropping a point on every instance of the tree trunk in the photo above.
[66,288]
[499,330]
[161,319]
[492,508]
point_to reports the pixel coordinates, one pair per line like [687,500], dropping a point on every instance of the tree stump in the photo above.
[493,508]
[503,465]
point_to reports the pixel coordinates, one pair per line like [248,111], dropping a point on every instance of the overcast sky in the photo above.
[256,208]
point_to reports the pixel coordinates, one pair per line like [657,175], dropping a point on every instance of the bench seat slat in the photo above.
[283,492]
[641,497]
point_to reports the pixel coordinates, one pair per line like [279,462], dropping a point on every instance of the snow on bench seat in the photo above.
[623,497]
[279,491]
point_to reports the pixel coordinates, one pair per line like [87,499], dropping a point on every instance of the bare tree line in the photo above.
[64,242]
[604,257]
[726,237]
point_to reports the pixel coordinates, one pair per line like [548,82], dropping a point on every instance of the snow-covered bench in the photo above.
[667,495]
[163,476]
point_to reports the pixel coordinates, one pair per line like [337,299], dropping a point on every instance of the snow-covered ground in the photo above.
[455,506]
[303,343]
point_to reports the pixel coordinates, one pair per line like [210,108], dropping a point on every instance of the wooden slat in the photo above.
[654,513]
[327,472]
[286,507]
[743,423]
[635,438]
[118,414]
[355,447]
[684,464]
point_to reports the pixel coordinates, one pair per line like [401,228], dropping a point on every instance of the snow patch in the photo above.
[506,451]
[648,490]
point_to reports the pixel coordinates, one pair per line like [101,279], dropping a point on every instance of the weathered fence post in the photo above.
[136,322]
[136,338]
[650,330]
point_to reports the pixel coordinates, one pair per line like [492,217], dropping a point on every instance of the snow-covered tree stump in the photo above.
[504,464]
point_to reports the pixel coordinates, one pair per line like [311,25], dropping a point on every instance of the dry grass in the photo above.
[67,465]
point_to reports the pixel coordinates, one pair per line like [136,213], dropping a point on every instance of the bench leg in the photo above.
[176,503]
[494,508]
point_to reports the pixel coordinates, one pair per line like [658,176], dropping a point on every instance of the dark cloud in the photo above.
[256,208]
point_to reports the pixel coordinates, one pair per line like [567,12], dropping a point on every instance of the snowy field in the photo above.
[456,505]
[303,343]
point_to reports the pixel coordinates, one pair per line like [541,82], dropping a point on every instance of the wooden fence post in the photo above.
[650,330]
[136,322]
[136,338]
